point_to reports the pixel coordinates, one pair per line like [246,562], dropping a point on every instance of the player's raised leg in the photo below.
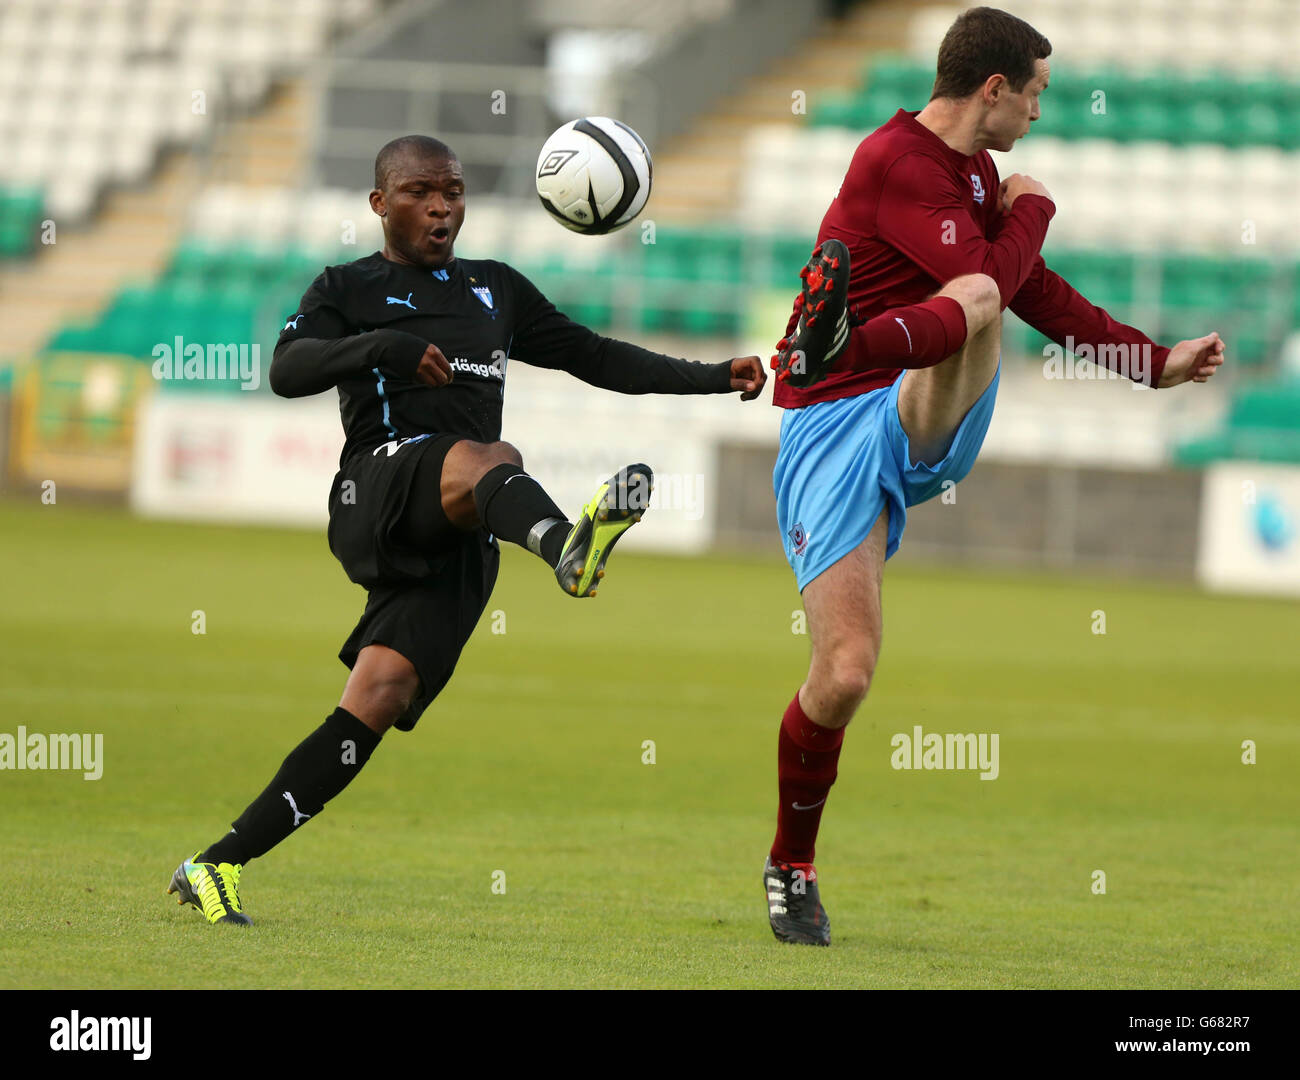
[912,336]
[933,401]
[844,624]
[485,483]
[616,506]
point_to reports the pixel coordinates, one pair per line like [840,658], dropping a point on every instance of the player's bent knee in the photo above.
[500,453]
[844,678]
[382,687]
[487,456]
[986,299]
[850,683]
[980,299]
[383,706]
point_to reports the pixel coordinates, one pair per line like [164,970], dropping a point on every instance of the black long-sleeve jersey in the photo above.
[363,327]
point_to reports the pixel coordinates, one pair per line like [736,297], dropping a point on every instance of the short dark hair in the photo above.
[422,147]
[983,42]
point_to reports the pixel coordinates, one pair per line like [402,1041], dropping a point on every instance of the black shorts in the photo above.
[427,586]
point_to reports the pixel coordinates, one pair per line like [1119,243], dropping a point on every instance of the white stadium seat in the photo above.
[1138,195]
[75,87]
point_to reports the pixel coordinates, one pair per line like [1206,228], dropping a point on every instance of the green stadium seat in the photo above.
[17,238]
[1197,453]
[710,315]
[1196,120]
[1273,406]
[900,80]
[76,339]
[877,107]
[1103,277]
[837,110]
[21,211]
[1255,124]
[1250,344]
[1256,111]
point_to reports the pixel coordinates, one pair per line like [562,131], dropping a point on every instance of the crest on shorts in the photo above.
[799,538]
[977,185]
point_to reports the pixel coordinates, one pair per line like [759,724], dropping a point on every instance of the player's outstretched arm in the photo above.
[1194,360]
[629,369]
[545,337]
[1049,304]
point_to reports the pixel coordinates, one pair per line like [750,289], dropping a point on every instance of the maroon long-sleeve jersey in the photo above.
[916,213]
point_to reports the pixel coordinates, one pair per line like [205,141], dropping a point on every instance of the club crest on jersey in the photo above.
[799,538]
[977,185]
[484,294]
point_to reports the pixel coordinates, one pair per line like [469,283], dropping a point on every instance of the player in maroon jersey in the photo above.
[888,375]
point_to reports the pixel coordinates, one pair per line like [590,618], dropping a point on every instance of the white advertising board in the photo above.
[264,460]
[236,458]
[1250,529]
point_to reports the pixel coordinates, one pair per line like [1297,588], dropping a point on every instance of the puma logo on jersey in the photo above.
[404,303]
[292,324]
[297,816]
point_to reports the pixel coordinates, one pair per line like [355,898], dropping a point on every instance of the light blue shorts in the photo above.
[842,462]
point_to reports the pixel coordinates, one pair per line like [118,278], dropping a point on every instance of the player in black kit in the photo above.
[417,343]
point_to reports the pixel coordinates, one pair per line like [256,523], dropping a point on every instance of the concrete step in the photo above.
[699,172]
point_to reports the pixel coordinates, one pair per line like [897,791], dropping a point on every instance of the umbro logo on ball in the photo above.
[554,162]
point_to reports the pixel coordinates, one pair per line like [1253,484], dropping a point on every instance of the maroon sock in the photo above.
[806,768]
[917,336]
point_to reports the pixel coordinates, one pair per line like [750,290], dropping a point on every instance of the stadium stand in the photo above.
[1176,200]
[78,119]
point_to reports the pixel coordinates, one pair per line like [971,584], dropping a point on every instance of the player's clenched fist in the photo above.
[748,376]
[434,370]
[1018,184]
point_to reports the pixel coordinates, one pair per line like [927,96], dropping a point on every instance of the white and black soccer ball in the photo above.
[593,175]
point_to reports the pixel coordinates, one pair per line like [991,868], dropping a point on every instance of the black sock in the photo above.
[321,766]
[520,511]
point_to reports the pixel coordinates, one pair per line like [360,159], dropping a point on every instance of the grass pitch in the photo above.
[1119,753]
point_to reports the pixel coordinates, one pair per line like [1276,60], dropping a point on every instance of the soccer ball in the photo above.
[593,175]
